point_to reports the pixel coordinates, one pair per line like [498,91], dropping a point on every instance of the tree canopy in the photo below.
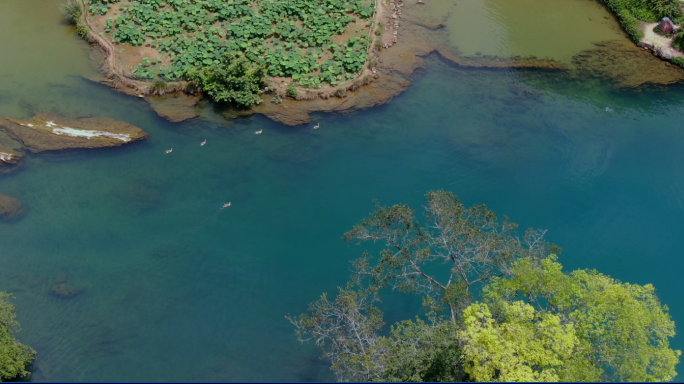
[14,356]
[532,322]
[232,80]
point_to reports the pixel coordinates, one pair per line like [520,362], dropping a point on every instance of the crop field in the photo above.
[313,42]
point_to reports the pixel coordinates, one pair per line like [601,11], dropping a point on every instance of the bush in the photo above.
[292,91]
[159,85]
[71,10]
[232,80]
[679,40]
[14,356]
[679,61]
[378,32]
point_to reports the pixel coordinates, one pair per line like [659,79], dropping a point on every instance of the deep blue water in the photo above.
[176,288]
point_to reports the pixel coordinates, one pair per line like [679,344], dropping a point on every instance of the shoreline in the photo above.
[375,85]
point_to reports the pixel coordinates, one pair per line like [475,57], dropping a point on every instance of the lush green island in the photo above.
[497,307]
[234,50]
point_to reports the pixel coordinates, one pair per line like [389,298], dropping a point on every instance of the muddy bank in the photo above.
[49,133]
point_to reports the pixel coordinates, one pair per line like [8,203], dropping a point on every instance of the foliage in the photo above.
[678,41]
[292,38]
[231,80]
[622,328]
[292,91]
[534,323]
[14,356]
[524,345]
[469,244]
[630,12]
[422,352]
[159,85]
[679,61]
[350,325]
[277,99]
[71,10]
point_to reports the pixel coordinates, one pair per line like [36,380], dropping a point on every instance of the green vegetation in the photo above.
[298,39]
[292,91]
[533,321]
[72,11]
[630,12]
[230,80]
[14,356]
[678,42]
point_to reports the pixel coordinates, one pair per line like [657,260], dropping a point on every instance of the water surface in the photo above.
[176,288]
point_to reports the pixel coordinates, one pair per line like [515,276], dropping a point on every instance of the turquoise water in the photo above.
[176,288]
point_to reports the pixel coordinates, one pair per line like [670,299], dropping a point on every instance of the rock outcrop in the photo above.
[47,133]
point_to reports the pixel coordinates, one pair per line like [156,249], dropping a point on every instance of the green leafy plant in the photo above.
[14,356]
[231,80]
[291,91]
[292,39]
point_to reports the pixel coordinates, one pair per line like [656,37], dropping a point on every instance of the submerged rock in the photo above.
[65,290]
[627,65]
[10,207]
[46,133]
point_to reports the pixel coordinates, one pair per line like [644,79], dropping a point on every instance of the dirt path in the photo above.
[657,42]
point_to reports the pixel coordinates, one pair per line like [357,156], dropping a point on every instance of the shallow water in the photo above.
[554,29]
[176,288]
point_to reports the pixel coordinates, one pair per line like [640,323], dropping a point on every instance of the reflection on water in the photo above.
[176,288]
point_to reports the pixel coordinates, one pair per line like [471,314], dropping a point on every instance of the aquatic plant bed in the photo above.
[311,42]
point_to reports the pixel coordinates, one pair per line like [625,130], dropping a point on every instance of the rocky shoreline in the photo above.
[48,133]
[42,133]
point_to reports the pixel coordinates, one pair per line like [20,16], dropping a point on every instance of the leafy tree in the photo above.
[230,81]
[535,323]
[622,329]
[469,244]
[523,346]
[456,250]
[14,356]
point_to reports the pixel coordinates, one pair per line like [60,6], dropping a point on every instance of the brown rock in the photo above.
[48,133]
[175,108]
[10,207]
[65,290]
[9,156]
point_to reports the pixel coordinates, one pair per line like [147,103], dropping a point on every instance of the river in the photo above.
[176,288]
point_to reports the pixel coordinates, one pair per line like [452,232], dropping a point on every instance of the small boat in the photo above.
[169,150]
[258,132]
[226,205]
[204,142]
